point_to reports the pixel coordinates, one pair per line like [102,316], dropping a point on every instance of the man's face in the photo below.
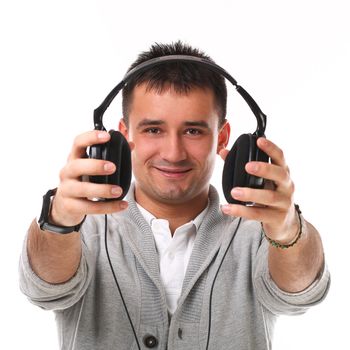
[176,141]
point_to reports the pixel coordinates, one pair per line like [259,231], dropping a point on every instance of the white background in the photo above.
[60,58]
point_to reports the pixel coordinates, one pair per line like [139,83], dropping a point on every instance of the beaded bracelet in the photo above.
[295,240]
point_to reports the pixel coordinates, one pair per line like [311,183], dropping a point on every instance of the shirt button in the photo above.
[171,255]
[150,341]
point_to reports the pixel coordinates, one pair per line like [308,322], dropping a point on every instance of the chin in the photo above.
[171,196]
[176,195]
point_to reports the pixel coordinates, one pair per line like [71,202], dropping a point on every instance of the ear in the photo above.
[123,128]
[223,137]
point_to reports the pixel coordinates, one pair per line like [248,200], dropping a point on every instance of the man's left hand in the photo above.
[277,212]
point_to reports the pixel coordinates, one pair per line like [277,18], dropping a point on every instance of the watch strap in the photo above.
[43,221]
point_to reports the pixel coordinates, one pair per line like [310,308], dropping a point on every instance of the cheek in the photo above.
[204,152]
[144,150]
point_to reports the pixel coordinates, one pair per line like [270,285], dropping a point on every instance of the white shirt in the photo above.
[173,251]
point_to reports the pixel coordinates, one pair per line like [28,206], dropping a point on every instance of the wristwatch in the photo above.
[43,221]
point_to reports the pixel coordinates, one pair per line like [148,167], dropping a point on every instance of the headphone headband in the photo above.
[99,111]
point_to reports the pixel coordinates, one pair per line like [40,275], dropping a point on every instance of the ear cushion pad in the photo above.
[234,174]
[116,150]
[119,153]
[243,151]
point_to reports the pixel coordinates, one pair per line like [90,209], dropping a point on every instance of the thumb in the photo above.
[131,145]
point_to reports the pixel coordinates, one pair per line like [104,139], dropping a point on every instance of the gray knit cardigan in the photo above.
[238,310]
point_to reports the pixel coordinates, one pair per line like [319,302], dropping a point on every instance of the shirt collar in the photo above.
[149,217]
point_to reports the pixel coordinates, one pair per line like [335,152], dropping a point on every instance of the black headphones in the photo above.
[243,151]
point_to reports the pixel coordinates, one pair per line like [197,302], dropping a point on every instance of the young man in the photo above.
[193,274]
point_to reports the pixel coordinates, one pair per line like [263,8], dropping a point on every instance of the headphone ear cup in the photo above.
[234,174]
[117,151]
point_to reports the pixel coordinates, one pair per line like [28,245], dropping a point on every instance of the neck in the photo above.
[176,213]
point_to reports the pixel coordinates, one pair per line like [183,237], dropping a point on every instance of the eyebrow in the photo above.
[200,123]
[156,122]
[149,122]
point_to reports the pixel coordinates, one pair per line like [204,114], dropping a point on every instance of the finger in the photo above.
[84,190]
[131,145]
[89,138]
[79,167]
[265,215]
[277,174]
[261,196]
[86,206]
[273,151]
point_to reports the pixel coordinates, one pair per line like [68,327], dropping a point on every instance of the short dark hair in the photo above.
[182,76]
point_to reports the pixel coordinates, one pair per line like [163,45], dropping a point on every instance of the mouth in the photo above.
[173,172]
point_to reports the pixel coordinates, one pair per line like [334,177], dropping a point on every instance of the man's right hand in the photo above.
[71,202]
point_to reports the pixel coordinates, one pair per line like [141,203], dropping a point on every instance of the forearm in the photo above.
[295,268]
[54,257]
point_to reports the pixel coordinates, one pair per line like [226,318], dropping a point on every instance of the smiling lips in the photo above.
[173,172]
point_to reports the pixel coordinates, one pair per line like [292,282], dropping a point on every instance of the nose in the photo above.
[173,149]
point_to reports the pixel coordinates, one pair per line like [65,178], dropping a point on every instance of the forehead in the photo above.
[170,105]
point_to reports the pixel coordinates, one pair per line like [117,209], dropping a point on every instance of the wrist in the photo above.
[44,220]
[59,216]
[290,240]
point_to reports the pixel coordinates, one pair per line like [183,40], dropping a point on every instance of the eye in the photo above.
[152,131]
[194,132]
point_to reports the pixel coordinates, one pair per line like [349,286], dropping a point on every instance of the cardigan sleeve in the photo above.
[280,302]
[54,296]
